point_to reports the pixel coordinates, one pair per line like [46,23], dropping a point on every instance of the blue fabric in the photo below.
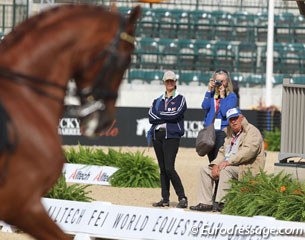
[149,132]
[208,104]
[173,115]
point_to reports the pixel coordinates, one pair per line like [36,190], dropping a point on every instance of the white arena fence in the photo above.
[105,220]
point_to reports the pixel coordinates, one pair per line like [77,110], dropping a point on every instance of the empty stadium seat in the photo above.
[202,25]
[148,53]
[244,26]
[298,79]
[277,58]
[189,77]
[256,79]
[205,55]
[261,27]
[246,57]
[148,24]
[292,58]
[223,25]
[145,76]
[299,25]
[169,50]
[187,55]
[155,75]
[166,23]
[279,78]
[204,77]
[135,74]
[197,77]
[284,27]
[184,27]
[239,77]
[224,56]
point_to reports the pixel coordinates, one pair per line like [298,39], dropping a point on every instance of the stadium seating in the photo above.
[292,58]
[148,53]
[223,25]
[184,27]
[256,79]
[145,76]
[279,78]
[246,57]
[244,26]
[169,50]
[284,27]
[298,79]
[299,27]
[261,27]
[187,55]
[205,55]
[239,77]
[202,25]
[277,58]
[287,58]
[135,74]
[194,77]
[148,24]
[224,56]
[166,27]
[196,41]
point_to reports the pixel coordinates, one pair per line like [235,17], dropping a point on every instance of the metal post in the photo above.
[269,62]
[14,14]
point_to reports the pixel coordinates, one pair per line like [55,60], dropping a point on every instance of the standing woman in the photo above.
[218,99]
[167,118]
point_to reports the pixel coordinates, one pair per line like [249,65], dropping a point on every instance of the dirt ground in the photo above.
[187,166]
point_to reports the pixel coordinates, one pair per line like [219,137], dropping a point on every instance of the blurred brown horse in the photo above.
[88,43]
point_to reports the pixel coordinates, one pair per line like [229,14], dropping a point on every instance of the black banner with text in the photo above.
[131,125]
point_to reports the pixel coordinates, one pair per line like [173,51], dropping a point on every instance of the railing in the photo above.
[12,14]
[292,126]
[225,5]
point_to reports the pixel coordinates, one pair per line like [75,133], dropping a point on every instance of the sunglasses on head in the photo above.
[221,70]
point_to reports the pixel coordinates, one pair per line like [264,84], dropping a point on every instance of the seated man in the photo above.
[243,150]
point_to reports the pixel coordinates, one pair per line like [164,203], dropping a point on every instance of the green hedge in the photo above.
[273,139]
[73,192]
[135,169]
[277,196]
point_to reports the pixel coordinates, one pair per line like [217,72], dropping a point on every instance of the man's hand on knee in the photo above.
[215,172]
[223,164]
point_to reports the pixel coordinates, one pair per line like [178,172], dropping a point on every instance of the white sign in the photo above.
[69,126]
[88,174]
[98,219]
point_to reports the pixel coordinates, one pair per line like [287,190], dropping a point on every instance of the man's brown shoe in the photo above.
[202,207]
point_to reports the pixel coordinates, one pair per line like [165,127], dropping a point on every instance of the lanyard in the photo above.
[229,148]
[217,104]
[166,102]
[234,138]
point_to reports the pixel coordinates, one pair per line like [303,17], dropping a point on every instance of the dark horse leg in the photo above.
[36,222]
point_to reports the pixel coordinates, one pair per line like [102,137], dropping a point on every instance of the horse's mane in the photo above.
[47,18]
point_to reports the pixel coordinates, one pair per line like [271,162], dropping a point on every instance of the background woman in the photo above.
[167,118]
[218,99]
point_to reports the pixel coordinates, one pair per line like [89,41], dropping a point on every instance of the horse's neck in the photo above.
[49,61]
[44,60]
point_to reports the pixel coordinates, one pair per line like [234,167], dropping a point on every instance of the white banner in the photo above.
[88,174]
[98,219]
